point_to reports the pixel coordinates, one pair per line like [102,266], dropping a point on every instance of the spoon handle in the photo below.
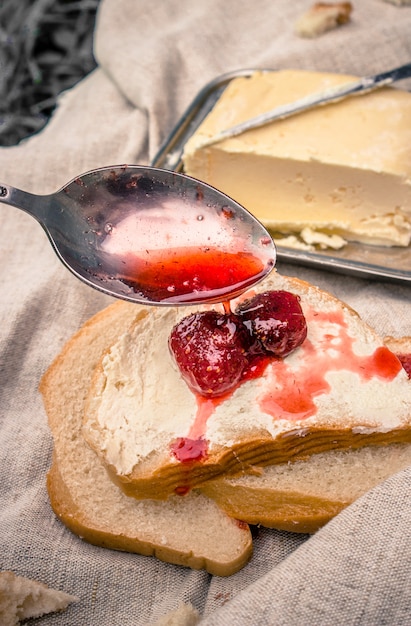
[28,202]
[332,94]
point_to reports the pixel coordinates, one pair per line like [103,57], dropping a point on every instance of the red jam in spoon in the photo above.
[187,244]
[191,274]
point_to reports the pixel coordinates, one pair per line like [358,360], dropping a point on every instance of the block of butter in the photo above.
[342,170]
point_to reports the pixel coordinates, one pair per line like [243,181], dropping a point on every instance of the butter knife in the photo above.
[332,94]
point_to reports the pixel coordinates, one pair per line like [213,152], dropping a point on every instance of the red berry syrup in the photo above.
[191,274]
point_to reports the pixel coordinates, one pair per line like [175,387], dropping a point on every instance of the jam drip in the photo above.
[186,449]
[292,390]
[194,447]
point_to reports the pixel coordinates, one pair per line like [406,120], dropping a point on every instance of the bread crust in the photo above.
[283,510]
[82,523]
[172,477]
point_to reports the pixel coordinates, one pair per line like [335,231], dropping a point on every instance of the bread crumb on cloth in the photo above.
[185,615]
[322,17]
[22,599]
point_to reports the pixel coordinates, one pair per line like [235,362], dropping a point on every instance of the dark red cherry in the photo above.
[275,321]
[210,350]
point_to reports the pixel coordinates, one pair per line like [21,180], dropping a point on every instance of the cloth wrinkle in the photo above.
[153,58]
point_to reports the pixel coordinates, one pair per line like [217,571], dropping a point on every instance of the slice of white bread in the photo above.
[187,530]
[22,598]
[190,531]
[353,390]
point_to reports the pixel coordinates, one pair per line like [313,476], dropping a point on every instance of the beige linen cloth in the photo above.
[153,57]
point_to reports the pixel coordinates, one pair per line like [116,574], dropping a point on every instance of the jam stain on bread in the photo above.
[212,351]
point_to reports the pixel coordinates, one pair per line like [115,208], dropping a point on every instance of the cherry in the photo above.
[217,351]
[210,348]
[275,321]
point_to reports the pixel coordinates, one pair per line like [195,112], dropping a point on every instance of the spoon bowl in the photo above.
[151,236]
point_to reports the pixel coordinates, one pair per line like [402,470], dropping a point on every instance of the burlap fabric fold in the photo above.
[153,57]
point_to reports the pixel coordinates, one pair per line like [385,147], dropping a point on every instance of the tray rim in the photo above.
[172,149]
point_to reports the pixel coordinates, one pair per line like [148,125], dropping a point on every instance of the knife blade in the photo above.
[330,95]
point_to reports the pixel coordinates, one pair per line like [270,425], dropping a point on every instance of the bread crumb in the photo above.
[185,615]
[322,17]
[22,598]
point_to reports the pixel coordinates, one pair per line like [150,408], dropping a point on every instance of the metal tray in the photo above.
[378,262]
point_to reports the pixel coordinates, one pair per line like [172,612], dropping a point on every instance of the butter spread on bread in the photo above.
[340,169]
[342,388]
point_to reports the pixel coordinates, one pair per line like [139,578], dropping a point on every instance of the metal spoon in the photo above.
[151,236]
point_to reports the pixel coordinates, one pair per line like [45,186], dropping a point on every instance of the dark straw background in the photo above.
[45,48]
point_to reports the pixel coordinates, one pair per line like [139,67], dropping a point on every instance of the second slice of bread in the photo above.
[191,531]
[303,496]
